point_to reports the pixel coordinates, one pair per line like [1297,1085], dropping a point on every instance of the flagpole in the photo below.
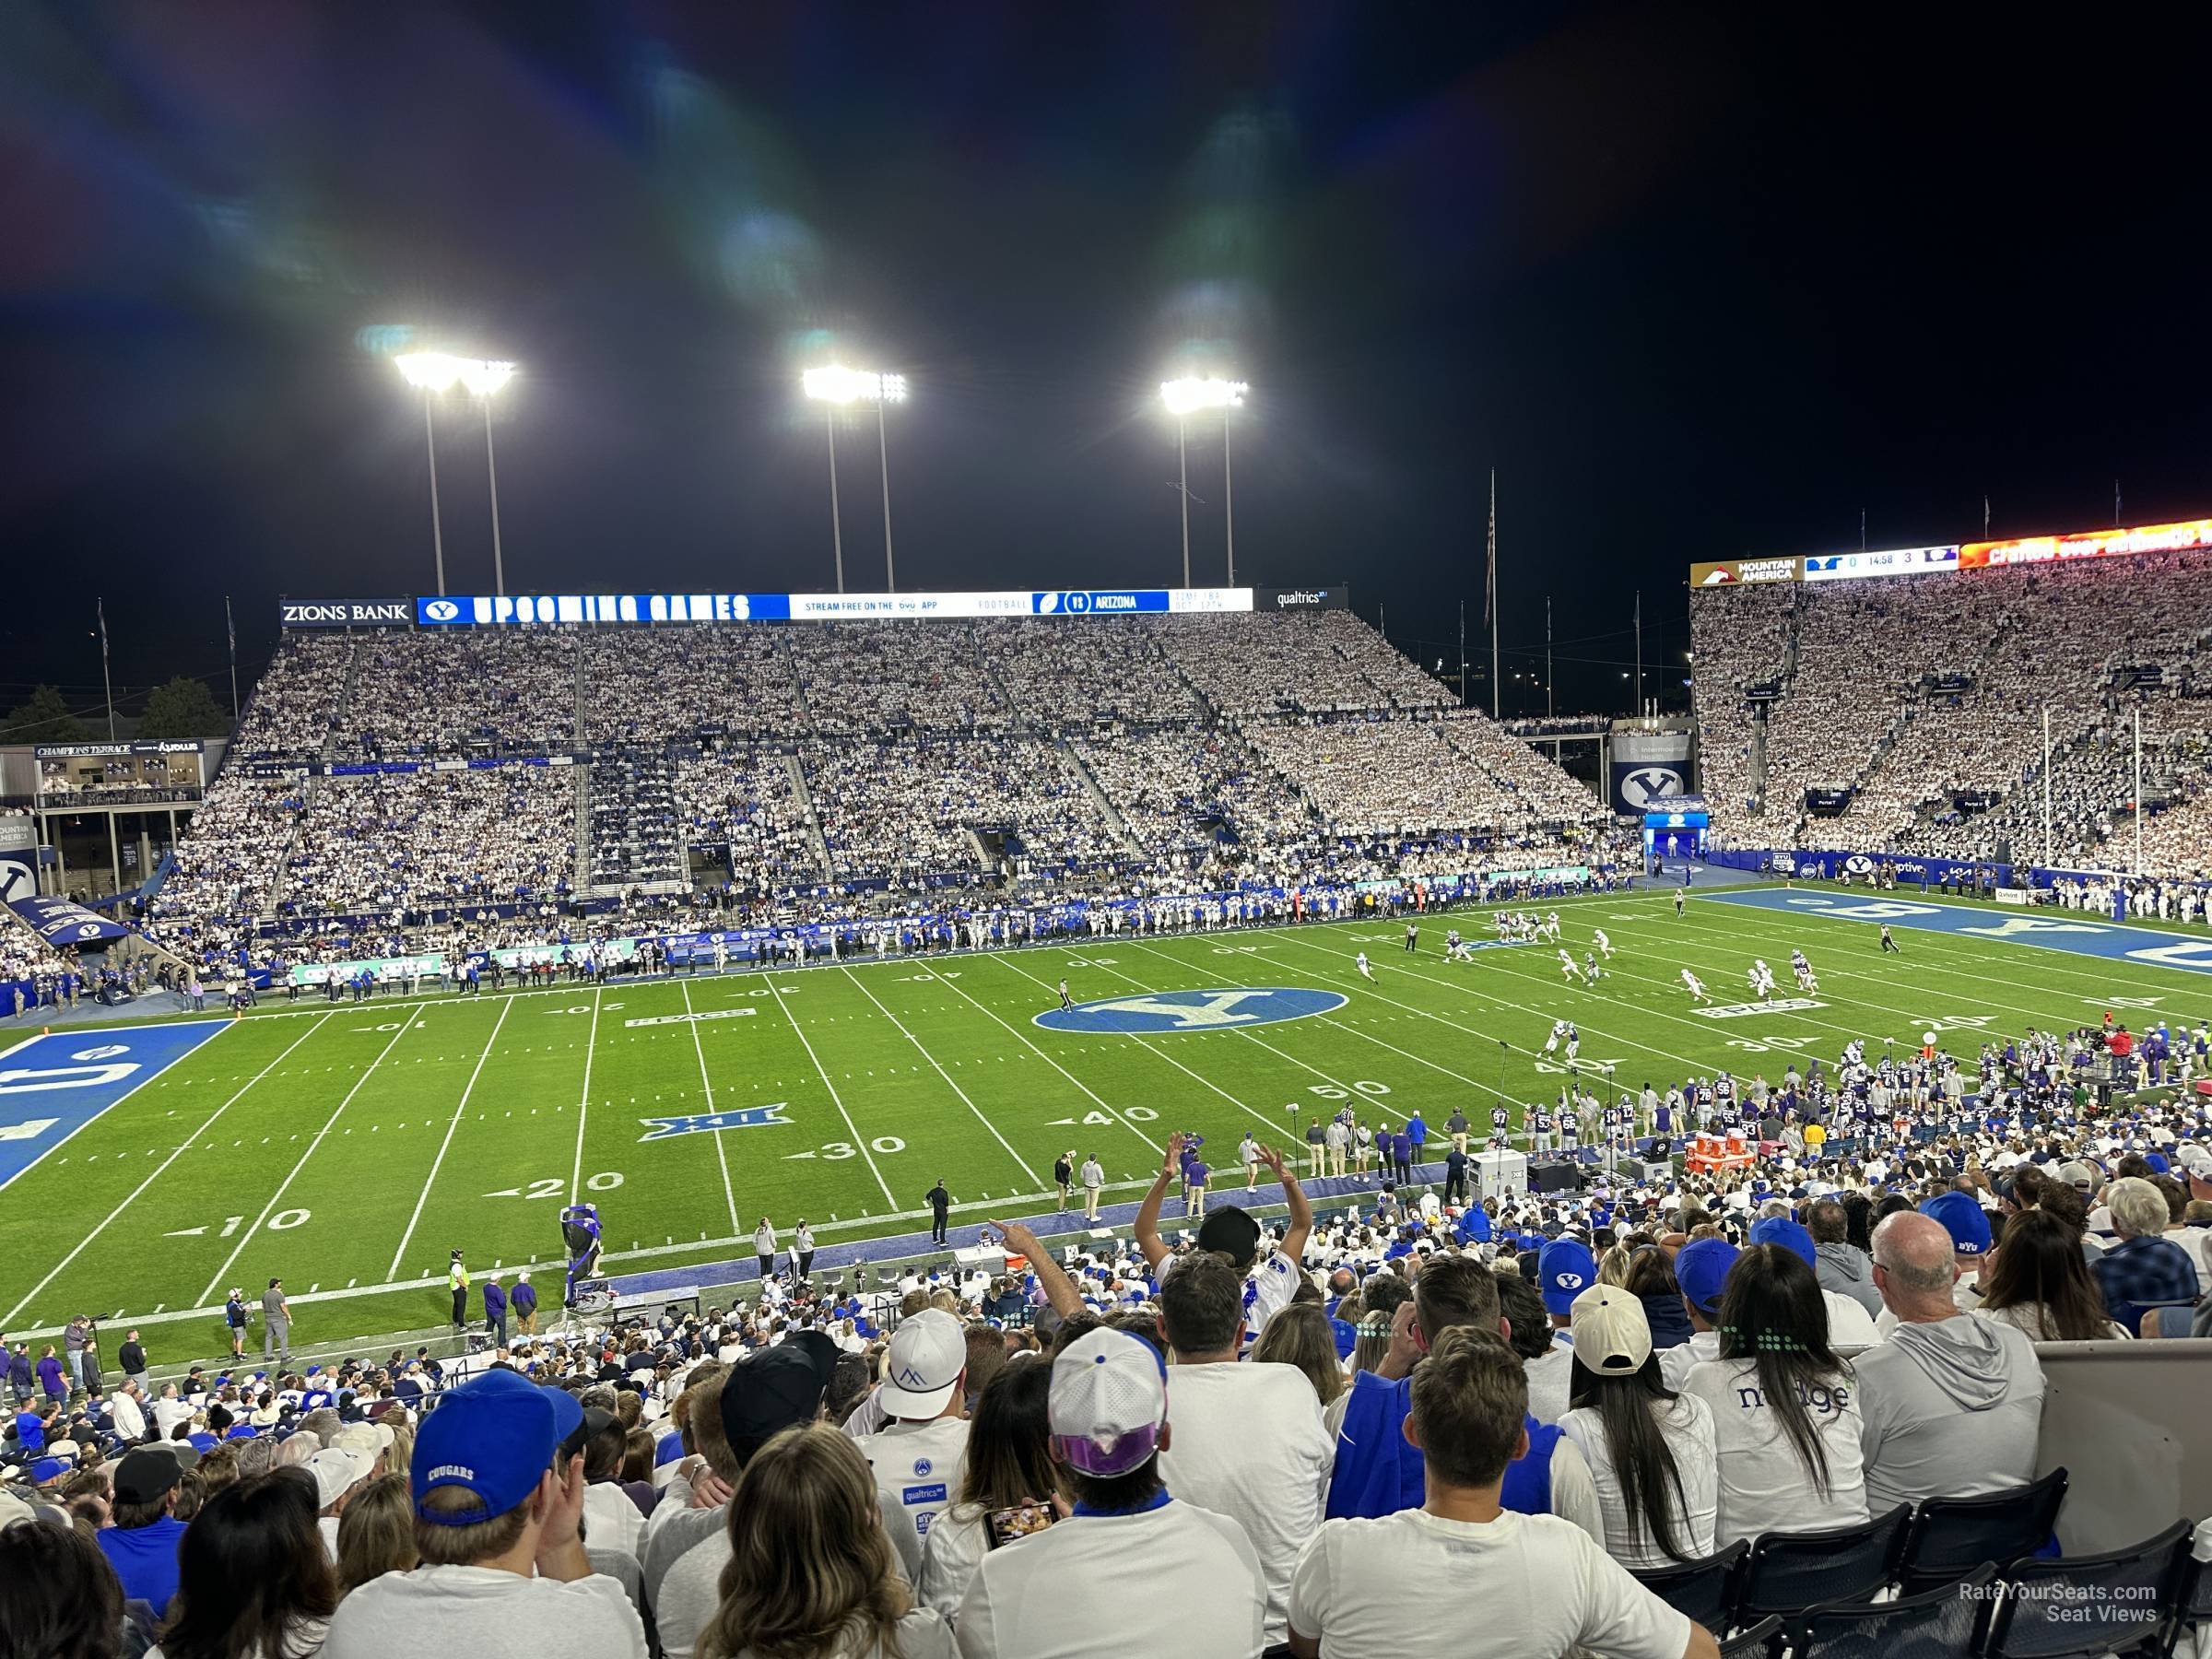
[101,606]
[1462,653]
[1640,650]
[2138,793]
[231,627]
[1497,681]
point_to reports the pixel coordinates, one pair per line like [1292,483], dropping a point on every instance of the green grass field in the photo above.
[350,1148]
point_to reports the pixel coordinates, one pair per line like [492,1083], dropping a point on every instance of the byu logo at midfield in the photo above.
[1153,1013]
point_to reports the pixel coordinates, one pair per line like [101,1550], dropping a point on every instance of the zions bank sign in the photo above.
[345,613]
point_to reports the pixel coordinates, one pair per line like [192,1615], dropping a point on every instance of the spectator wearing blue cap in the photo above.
[1702,1270]
[1850,1329]
[499,1497]
[1565,1268]
[1960,1215]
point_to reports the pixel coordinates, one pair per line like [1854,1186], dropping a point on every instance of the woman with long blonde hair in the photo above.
[811,1573]
[376,1534]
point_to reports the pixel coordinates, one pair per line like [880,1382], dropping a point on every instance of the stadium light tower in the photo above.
[1184,399]
[436,372]
[836,387]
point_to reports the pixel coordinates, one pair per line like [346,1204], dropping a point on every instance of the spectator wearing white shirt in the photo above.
[1249,1440]
[1785,1409]
[1650,1450]
[1132,1570]
[1461,1577]
[919,1458]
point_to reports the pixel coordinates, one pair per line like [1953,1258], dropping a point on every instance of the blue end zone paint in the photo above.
[54,1086]
[1164,1013]
[2070,931]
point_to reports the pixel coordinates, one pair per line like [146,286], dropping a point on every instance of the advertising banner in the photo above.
[1739,572]
[345,613]
[381,969]
[60,922]
[2183,538]
[19,858]
[1335,597]
[110,751]
[1648,768]
[493,611]
[1887,562]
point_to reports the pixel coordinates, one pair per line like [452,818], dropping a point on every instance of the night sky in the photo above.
[1699,283]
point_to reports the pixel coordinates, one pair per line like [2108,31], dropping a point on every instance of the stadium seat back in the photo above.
[1704,1590]
[1762,1640]
[1951,1537]
[1947,1622]
[1788,1572]
[2103,1603]
[2164,1319]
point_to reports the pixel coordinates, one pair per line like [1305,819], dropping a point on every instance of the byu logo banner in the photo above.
[1164,1013]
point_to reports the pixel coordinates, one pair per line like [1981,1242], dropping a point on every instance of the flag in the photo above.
[230,625]
[100,606]
[1490,592]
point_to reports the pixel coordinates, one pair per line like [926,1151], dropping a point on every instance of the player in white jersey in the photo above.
[1551,925]
[1567,968]
[1697,987]
[1359,962]
[1605,945]
[1558,1035]
[1762,979]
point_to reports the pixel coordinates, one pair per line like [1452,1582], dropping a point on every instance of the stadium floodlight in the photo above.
[436,372]
[837,387]
[1189,396]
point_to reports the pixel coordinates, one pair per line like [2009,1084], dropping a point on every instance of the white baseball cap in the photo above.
[370,1440]
[337,1470]
[1612,1337]
[929,1352]
[1108,1402]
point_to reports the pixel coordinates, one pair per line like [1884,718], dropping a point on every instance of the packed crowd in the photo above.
[380,842]
[1222,1438]
[1926,698]
[821,764]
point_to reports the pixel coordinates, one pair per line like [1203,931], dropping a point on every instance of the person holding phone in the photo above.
[1009,1489]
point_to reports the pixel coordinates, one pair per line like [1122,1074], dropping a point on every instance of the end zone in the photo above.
[53,1084]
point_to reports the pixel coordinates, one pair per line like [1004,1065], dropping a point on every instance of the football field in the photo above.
[146,1170]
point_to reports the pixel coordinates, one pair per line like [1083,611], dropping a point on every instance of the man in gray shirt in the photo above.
[1841,1266]
[1953,1404]
[276,1324]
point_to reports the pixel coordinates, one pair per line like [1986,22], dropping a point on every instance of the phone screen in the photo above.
[1021,1521]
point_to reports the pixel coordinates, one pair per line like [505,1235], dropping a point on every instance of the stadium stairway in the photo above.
[582,879]
[1073,757]
[804,796]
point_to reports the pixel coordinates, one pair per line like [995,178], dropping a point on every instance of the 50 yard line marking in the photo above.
[16,1311]
[398,1256]
[239,1249]
[728,1192]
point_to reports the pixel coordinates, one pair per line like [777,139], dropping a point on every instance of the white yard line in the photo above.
[584,1100]
[1021,1037]
[821,1071]
[399,1255]
[949,1082]
[729,1193]
[163,1169]
[245,1237]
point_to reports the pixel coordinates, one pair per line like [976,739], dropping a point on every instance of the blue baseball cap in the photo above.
[1565,1268]
[1701,1269]
[1789,1235]
[46,1469]
[2158,1163]
[494,1438]
[1964,1219]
